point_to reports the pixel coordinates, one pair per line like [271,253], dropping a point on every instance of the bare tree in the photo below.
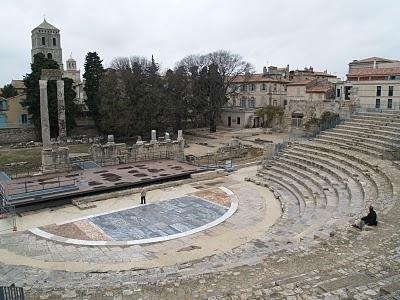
[230,65]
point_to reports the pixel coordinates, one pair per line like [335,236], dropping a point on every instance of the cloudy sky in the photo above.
[320,33]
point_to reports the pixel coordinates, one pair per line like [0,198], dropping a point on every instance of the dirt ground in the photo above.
[200,142]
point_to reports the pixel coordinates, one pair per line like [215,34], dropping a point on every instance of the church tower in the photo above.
[72,72]
[46,39]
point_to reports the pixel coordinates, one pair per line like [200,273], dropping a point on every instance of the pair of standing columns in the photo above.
[44,113]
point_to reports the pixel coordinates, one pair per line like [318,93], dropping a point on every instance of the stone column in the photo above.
[44,114]
[153,136]
[62,126]
[167,137]
[180,135]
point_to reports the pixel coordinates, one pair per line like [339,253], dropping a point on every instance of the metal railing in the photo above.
[10,189]
[11,293]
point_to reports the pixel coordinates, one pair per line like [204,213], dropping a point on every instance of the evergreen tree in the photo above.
[8,91]
[32,101]
[93,73]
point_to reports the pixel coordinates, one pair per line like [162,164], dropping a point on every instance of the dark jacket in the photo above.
[370,219]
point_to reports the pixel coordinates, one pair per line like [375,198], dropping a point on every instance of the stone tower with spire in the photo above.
[46,39]
[71,71]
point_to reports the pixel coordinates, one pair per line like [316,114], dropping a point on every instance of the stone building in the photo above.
[46,39]
[310,74]
[375,83]
[251,91]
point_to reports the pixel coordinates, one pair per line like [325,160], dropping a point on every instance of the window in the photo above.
[43,41]
[263,87]
[275,103]
[24,119]
[392,77]
[347,92]
[284,102]
[338,93]
[243,88]
[238,120]
[49,56]
[252,87]
[390,104]
[252,102]
[378,103]
[234,102]
[390,91]
[378,90]
[54,42]
[3,104]
[243,102]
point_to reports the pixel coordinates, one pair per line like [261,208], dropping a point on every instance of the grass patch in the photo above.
[32,155]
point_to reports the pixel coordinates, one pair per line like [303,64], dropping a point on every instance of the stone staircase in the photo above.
[325,183]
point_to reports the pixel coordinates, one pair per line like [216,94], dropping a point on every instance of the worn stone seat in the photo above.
[380,122]
[324,188]
[358,185]
[388,136]
[353,145]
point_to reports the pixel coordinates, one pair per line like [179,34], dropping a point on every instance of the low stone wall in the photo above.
[17,135]
[116,153]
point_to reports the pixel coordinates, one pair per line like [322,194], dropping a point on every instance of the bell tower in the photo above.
[46,39]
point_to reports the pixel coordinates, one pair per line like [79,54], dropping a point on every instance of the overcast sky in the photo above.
[325,34]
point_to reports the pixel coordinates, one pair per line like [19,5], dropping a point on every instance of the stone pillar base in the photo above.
[55,160]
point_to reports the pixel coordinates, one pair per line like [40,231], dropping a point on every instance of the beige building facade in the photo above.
[375,83]
[12,114]
[251,91]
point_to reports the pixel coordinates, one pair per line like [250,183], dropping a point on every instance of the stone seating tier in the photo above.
[388,137]
[355,184]
[354,146]
[337,174]
[384,142]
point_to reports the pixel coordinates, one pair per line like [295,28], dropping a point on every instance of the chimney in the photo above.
[264,70]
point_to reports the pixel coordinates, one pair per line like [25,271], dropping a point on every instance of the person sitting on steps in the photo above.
[369,219]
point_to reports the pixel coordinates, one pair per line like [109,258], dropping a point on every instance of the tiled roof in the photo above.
[256,78]
[302,82]
[376,71]
[45,25]
[374,58]
[18,84]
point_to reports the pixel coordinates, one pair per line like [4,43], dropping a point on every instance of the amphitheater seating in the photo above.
[326,182]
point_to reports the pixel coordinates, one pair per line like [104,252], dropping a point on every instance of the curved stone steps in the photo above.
[378,173]
[378,116]
[363,137]
[374,165]
[382,123]
[370,133]
[312,192]
[384,127]
[350,167]
[343,191]
[355,146]
[281,181]
[326,176]
[305,192]
[382,132]
[357,186]
[290,200]
[305,224]
[328,192]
